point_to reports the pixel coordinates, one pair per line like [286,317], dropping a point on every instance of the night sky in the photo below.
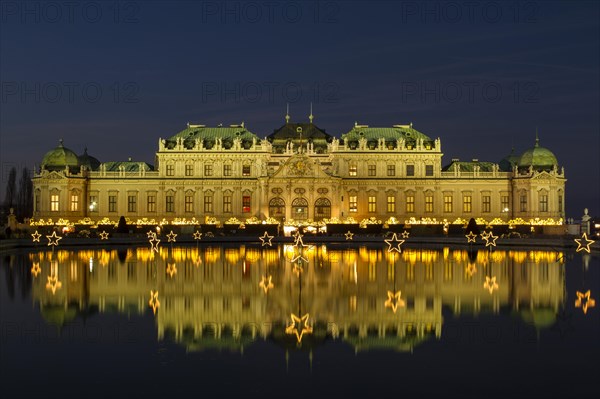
[116,76]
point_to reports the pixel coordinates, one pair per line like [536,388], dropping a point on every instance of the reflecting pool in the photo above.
[328,320]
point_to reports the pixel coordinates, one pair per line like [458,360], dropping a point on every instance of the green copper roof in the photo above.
[89,161]
[300,134]
[209,135]
[538,157]
[507,163]
[469,166]
[390,134]
[129,166]
[59,158]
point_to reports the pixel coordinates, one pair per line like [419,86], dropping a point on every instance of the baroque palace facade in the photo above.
[299,173]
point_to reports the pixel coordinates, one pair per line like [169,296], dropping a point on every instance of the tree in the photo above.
[9,199]
[25,196]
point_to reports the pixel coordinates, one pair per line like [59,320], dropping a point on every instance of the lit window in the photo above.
[93,203]
[352,169]
[391,203]
[74,202]
[189,203]
[504,203]
[410,170]
[54,202]
[467,203]
[372,204]
[429,203]
[246,170]
[353,203]
[246,203]
[410,203]
[447,203]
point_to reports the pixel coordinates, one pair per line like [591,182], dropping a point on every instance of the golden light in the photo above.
[197,235]
[171,236]
[349,235]
[151,234]
[471,269]
[53,239]
[36,236]
[484,235]
[103,235]
[405,234]
[471,237]
[266,283]
[35,269]
[171,269]
[297,269]
[490,240]
[266,239]
[583,243]
[154,303]
[299,326]
[490,284]
[53,284]
[154,243]
[393,301]
[394,244]
[585,301]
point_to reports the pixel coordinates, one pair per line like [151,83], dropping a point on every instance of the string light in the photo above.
[583,243]
[53,239]
[266,239]
[171,236]
[349,235]
[394,244]
[103,235]
[36,236]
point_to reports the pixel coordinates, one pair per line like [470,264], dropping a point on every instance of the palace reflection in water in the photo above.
[220,297]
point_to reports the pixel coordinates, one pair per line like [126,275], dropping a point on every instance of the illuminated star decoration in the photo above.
[297,322]
[349,235]
[266,239]
[103,235]
[585,301]
[36,236]
[154,303]
[471,269]
[197,235]
[151,234]
[490,240]
[471,237]
[393,301]
[583,243]
[171,236]
[53,284]
[394,244]
[154,243]
[490,284]
[405,234]
[35,269]
[485,235]
[53,239]
[266,283]
[171,269]
[299,258]
[297,269]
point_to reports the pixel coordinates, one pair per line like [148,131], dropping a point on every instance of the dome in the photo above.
[538,157]
[59,158]
[88,161]
[507,163]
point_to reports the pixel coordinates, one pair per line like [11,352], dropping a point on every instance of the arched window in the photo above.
[299,209]
[276,208]
[322,209]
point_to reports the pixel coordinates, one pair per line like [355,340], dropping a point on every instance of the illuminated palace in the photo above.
[300,173]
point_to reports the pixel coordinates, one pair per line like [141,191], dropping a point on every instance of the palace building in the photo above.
[299,173]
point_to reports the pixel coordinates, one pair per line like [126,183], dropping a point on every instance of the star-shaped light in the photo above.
[297,269]
[299,258]
[171,269]
[471,237]
[299,327]
[349,235]
[151,234]
[35,269]
[585,301]
[405,234]
[394,244]
[171,236]
[53,239]
[266,239]
[490,240]
[154,303]
[484,235]
[266,283]
[298,243]
[471,269]
[490,284]
[53,284]
[154,243]
[103,235]
[583,243]
[197,235]
[393,301]
[36,236]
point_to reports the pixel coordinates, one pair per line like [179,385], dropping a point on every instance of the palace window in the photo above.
[391,170]
[560,202]
[189,203]
[447,203]
[227,203]
[189,170]
[93,203]
[112,203]
[208,203]
[246,202]
[299,209]
[36,201]
[428,170]
[276,207]
[544,203]
[410,170]
[151,203]
[410,203]
[131,203]
[504,203]
[429,203]
[523,203]
[208,169]
[353,203]
[227,170]
[486,204]
[372,204]
[372,170]
[246,170]
[352,169]
[467,203]
[170,203]
[322,208]
[170,170]
[74,202]
[54,202]
[391,203]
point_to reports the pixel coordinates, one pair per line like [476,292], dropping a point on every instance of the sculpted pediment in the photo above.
[300,166]
[53,175]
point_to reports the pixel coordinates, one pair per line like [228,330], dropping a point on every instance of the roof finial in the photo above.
[537,139]
[287,113]
[60,142]
[311,117]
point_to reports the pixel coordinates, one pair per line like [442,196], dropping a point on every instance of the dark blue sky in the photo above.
[116,76]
